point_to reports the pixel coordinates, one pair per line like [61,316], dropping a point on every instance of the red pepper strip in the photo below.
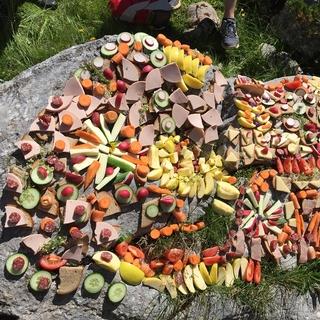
[293,85]
[312,162]
[279,166]
[295,166]
[257,273]
[304,166]
[287,166]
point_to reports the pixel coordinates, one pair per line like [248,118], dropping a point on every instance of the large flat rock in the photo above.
[20,100]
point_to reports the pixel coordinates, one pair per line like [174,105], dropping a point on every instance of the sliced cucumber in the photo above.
[35,279]
[126,37]
[117,292]
[139,36]
[72,196]
[158,58]
[168,125]
[29,198]
[117,127]
[152,211]
[94,282]
[121,177]
[109,49]
[107,179]
[37,178]
[161,99]
[150,43]
[124,165]
[10,264]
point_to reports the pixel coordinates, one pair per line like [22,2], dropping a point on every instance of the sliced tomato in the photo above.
[136,251]
[173,255]
[257,273]
[210,252]
[249,271]
[156,264]
[121,248]
[167,269]
[209,261]
[145,268]
[51,262]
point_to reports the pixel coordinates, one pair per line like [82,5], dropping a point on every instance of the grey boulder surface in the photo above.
[20,100]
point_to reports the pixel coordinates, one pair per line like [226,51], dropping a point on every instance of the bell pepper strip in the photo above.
[51,262]
[279,166]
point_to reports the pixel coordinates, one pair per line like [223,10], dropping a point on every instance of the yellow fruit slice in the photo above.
[155,174]
[180,60]
[195,66]
[166,51]
[182,85]
[221,276]
[173,57]
[246,123]
[242,105]
[205,274]
[214,273]
[154,283]
[187,64]
[201,73]
[192,82]
[130,273]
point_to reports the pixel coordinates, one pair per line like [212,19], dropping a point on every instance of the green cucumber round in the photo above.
[29,198]
[109,49]
[150,43]
[34,281]
[161,98]
[168,125]
[9,264]
[73,196]
[37,179]
[123,200]
[152,211]
[126,37]
[158,58]
[94,282]
[117,291]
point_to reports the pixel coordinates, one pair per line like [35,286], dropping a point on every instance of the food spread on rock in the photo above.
[138,127]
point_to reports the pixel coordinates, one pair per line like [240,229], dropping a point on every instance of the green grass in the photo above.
[42,33]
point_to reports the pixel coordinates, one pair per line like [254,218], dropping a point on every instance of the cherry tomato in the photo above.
[173,255]
[210,252]
[51,262]
[136,252]
[156,264]
[167,269]
[121,248]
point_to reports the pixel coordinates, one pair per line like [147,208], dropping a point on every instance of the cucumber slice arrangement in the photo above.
[150,43]
[94,282]
[158,58]
[29,198]
[17,264]
[168,125]
[161,99]
[117,291]
[125,37]
[152,211]
[38,179]
[109,49]
[41,281]
[67,191]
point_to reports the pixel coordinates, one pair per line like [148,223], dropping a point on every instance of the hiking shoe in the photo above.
[228,30]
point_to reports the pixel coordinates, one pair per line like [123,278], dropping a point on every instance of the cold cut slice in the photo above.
[256,249]
[135,91]
[178,97]
[66,101]
[70,207]
[196,102]
[218,93]
[18,213]
[134,114]
[179,114]
[12,178]
[220,79]
[146,137]
[105,225]
[35,148]
[209,98]
[153,80]
[195,120]
[75,125]
[171,73]
[74,253]
[73,87]
[129,71]
[212,118]
[211,134]
[35,242]
[75,109]
[197,135]
[36,126]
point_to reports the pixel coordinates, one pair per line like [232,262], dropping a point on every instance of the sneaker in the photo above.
[175,4]
[228,30]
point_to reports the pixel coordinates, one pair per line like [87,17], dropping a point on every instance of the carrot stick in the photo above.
[135,147]
[264,187]
[194,259]
[193,227]
[123,48]
[315,229]
[301,194]
[138,46]
[232,180]
[91,197]
[83,146]
[179,203]
[84,101]
[207,60]
[87,84]
[180,216]
[265,174]
[97,215]
[155,189]
[132,159]
[145,160]
[287,229]
[167,43]
[312,193]
[313,222]
[155,234]
[136,262]
[91,173]
[128,257]
[128,131]
[272,173]
[298,223]
[91,137]
[104,203]
[174,226]
[295,201]
[112,85]
[200,57]
[200,225]
[259,181]
[178,266]
[185,47]
[117,58]
[59,145]
[176,43]
[166,231]
[142,170]
[111,116]
[302,224]
[67,120]
[161,38]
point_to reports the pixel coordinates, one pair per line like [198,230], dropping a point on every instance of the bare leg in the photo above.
[229,8]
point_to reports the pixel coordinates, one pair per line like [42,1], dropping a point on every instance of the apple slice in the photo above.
[107,179]
[236,264]
[92,152]
[214,273]
[197,278]
[188,280]
[170,285]
[289,209]
[96,131]
[85,163]
[154,283]
[104,127]
[102,168]
[273,208]
[243,267]
[261,203]
[221,276]
[229,275]
[247,202]
[267,198]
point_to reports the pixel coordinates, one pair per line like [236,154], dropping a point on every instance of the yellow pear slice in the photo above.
[170,285]
[236,264]
[188,279]
[229,275]
[221,276]
[214,273]
[205,274]
[154,283]
[197,278]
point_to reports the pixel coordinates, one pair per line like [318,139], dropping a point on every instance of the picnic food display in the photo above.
[137,127]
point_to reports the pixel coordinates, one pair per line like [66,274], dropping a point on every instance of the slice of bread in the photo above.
[70,278]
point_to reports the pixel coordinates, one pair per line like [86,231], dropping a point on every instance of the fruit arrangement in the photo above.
[135,127]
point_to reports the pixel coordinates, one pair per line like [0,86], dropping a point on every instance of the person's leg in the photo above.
[228,27]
